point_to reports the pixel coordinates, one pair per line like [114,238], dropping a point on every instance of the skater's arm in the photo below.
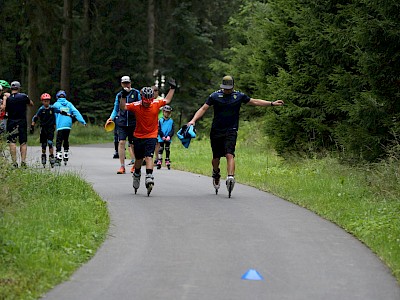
[75,113]
[260,102]
[202,110]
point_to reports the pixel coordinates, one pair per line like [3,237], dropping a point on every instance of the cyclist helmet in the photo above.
[61,93]
[4,84]
[167,108]
[45,96]
[147,94]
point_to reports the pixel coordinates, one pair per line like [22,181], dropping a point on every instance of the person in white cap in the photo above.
[125,121]
[225,125]
[17,126]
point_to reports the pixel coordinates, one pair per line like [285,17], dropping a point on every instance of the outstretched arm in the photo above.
[202,110]
[260,102]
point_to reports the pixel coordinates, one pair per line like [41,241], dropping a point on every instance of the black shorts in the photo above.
[126,132]
[222,144]
[144,147]
[46,134]
[17,129]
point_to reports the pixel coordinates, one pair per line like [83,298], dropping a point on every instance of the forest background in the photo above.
[335,63]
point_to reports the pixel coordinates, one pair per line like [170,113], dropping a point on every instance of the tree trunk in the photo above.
[150,43]
[33,91]
[66,47]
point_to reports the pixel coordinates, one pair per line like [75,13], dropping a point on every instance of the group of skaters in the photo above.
[57,117]
[136,114]
[142,110]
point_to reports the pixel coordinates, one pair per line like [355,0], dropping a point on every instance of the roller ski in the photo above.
[168,163]
[216,180]
[52,160]
[66,157]
[149,183]
[44,160]
[159,163]
[230,183]
[136,181]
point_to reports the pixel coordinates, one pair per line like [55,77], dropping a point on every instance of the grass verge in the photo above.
[49,225]
[362,200]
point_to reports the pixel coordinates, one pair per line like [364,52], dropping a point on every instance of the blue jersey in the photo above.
[165,128]
[226,110]
[125,117]
[46,116]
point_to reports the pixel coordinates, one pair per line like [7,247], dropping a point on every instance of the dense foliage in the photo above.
[335,62]
[109,40]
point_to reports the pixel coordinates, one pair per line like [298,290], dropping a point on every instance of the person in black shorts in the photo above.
[125,121]
[17,126]
[47,118]
[225,125]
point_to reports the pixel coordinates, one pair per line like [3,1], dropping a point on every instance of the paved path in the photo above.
[185,242]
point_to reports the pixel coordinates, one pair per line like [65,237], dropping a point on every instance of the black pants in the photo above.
[62,139]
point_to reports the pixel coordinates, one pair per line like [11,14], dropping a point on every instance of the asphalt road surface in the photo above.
[186,242]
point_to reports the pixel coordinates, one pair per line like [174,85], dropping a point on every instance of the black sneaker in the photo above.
[116,155]
[23,165]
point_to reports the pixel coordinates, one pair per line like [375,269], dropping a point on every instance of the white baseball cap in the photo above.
[125,79]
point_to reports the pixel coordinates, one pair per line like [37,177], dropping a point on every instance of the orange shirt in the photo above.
[146,118]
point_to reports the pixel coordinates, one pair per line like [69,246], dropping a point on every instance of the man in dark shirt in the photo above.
[17,126]
[223,135]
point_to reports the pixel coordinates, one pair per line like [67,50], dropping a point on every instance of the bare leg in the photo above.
[149,162]
[13,152]
[23,148]
[215,163]
[230,164]
[121,152]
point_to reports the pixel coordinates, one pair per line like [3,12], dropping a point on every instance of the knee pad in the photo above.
[44,145]
[50,143]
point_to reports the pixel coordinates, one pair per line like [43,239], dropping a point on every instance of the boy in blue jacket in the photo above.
[165,133]
[64,124]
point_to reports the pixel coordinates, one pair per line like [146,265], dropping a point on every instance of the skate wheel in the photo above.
[216,191]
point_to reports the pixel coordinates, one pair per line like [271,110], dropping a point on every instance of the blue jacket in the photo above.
[65,122]
[165,128]
[125,118]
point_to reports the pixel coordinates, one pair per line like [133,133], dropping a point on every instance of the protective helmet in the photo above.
[167,108]
[147,94]
[45,96]
[4,84]
[60,93]
[186,134]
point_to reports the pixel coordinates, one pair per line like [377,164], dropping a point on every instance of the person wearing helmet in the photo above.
[4,94]
[160,115]
[66,112]
[125,122]
[16,106]
[46,115]
[146,131]
[165,133]
[225,124]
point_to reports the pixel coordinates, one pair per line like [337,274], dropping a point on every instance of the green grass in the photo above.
[49,225]
[362,200]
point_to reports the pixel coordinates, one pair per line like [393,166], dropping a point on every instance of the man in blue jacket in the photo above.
[125,121]
[64,124]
